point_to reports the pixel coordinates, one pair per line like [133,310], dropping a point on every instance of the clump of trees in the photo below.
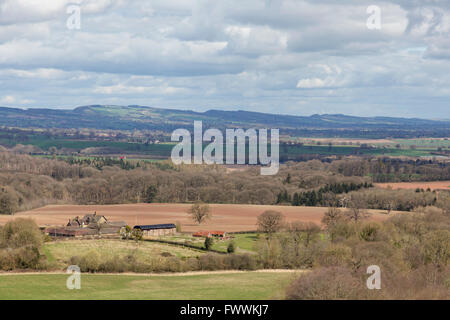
[20,244]
[411,249]
[325,195]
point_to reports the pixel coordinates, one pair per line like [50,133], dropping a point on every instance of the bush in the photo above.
[369,232]
[7,260]
[90,262]
[241,262]
[178,226]
[21,232]
[327,284]
[27,258]
[437,248]
[335,255]
[211,262]
[231,247]
[137,234]
[209,243]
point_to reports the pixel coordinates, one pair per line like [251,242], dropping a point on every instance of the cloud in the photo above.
[8,99]
[287,56]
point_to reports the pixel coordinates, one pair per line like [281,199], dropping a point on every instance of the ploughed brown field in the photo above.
[433,185]
[226,217]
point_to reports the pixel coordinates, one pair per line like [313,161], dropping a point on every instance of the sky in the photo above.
[298,57]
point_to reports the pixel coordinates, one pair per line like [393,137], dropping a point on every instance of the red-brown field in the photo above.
[225,217]
[433,185]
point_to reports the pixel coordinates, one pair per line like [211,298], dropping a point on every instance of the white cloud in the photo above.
[300,56]
[8,99]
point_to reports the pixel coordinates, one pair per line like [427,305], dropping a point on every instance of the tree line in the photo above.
[28,182]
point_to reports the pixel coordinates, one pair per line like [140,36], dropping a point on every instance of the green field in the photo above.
[244,285]
[244,242]
[426,144]
[59,253]
[422,147]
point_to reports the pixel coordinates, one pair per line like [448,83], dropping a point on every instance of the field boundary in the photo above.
[162,274]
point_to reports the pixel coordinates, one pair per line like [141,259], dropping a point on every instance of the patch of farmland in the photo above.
[226,217]
[433,185]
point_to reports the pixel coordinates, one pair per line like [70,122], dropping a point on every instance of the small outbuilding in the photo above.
[210,234]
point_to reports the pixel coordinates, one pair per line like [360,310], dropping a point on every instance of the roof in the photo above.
[156,226]
[92,218]
[209,233]
[202,234]
[69,232]
[221,233]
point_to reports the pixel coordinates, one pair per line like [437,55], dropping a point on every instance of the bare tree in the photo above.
[332,217]
[270,221]
[305,231]
[199,212]
[356,210]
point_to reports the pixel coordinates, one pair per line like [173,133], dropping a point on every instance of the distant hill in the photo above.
[141,117]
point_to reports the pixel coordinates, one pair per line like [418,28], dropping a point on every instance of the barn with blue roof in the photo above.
[157,229]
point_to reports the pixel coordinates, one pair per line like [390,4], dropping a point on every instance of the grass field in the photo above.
[242,285]
[423,147]
[59,253]
[244,242]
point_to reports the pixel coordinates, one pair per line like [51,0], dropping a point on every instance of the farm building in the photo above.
[90,224]
[88,219]
[157,229]
[65,232]
[210,234]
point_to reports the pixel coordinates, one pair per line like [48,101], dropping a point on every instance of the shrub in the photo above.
[209,243]
[7,260]
[341,231]
[27,258]
[437,248]
[269,253]
[327,284]
[335,255]
[115,264]
[211,262]
[241,262]
[137,234]
[369,232]
[90,262]
[21,232]
[231,247]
